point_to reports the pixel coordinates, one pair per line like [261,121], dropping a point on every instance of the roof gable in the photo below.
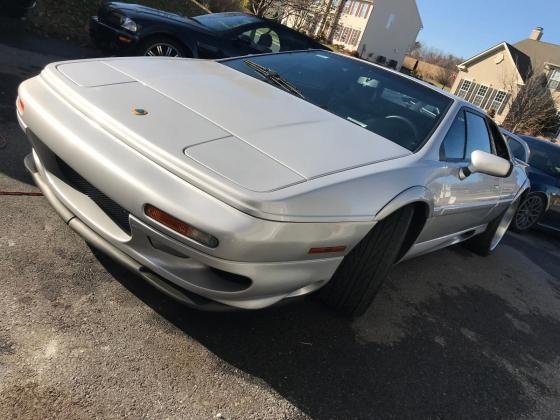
[519,60]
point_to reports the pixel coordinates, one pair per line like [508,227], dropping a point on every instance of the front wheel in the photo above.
[160,46]
[529,213]
[362,272]
[485,243]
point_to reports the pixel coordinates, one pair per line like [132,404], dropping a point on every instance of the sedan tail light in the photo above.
[180,227]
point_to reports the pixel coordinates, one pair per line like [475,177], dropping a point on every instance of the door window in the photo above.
[264,40]
[478,137]
[453,146]
[500,145]
[517,149]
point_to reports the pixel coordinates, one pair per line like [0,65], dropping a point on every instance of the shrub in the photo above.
[69,19]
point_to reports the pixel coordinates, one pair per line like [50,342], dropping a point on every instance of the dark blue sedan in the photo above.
[131,29]
[541,206]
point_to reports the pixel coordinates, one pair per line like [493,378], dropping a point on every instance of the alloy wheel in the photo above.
[529,212]
[504,225]
[162,49]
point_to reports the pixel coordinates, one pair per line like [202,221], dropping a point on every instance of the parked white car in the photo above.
[243,182]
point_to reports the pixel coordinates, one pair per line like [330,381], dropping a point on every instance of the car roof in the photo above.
[535,140]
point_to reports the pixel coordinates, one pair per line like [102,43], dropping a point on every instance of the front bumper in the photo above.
[258,262]
[106,37]
[185,274]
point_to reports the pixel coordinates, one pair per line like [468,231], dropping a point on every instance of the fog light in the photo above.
[180,227]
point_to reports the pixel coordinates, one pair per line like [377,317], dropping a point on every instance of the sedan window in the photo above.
[453,146]
[545,157]
[517,149]
[263,39]
[478,137]
[225,21]
[386,103]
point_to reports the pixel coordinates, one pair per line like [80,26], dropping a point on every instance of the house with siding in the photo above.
[493,78]
[382,31]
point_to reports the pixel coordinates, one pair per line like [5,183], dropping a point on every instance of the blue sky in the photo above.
[465,28]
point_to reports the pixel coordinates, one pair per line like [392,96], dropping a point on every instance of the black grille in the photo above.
[112,209]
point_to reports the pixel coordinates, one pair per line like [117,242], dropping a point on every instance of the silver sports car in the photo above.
[246,181]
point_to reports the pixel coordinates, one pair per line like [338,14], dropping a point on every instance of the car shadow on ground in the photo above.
[461,351]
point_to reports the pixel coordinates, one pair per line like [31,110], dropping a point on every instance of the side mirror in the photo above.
[486,163]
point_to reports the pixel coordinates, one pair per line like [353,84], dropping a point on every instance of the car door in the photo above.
[461,205]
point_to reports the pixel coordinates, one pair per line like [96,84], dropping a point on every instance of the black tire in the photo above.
[485,243]
[529,213]
[362,272]
[166,43]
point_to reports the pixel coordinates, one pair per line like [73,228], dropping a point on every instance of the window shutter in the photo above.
[489,98]
[472,90]
[506,99]
[459,87]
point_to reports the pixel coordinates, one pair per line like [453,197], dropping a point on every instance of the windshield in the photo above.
[544,157]
[226,21]
[375,99]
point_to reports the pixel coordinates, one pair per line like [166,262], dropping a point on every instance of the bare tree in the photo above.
[416,49]
[326,15]
[303,14]
[533,110]
[444,76]
[336,19]
[201,5]
[435,56]
[260,7]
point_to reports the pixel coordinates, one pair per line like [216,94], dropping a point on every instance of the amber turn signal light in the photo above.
[180,227]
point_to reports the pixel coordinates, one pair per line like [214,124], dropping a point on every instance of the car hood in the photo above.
[198,116]
[138,10]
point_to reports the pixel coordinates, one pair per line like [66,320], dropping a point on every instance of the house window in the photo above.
[359,9]
[354,37]
[345,34]
[554,80]
[480,95]
[498,101]
[464,89]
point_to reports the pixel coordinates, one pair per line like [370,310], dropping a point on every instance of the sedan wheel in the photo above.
[529,213]
[162,50]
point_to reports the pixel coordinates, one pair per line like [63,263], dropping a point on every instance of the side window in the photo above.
[293,42]
[517,149]
[453,146]
[265,40]
[500,145]
[478,137]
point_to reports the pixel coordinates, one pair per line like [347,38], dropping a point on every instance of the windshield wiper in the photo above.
[274,78]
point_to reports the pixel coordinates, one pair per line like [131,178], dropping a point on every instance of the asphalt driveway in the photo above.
[451,335]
